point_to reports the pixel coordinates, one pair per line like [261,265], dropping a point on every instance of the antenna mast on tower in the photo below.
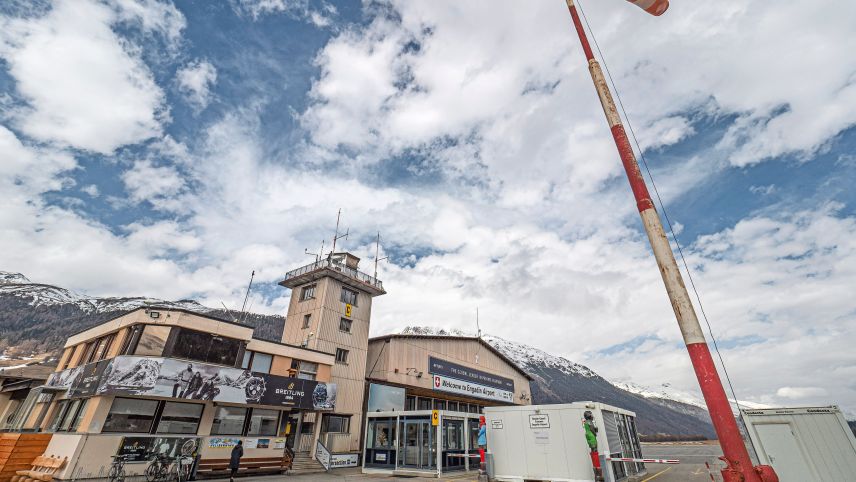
[376,254]
[336,236]
[247,296]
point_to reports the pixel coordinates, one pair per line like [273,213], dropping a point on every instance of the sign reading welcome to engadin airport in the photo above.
[454,378]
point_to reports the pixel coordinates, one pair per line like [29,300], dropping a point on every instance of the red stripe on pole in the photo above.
[720,412]
[580,32]
[631,168]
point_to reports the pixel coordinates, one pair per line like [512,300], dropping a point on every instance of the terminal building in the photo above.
[160,379]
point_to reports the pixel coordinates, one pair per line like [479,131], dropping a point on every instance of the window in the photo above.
[452,406]
[384,398]
[59,413]
[381,433]
[132,337]
[180,418]
[130,415]
[424,403]
[78,416]
[345,325]
[88,351]
[257,362]
[263,422]
[152,341]
[349,296]
[261,362]
[306,320]
[205,347]
[336,424]
[341,355]
[229,421]
[439,405]
[410,402]
[305,370]
[307,293]
[67,354]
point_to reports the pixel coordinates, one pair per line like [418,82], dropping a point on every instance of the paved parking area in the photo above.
[691,468]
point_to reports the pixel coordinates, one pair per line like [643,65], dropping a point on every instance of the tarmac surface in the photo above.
[691,469]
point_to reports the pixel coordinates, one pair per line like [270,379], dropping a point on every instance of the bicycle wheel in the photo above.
[152,471]
[116,474]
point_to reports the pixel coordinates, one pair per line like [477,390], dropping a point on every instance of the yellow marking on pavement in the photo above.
[657,474]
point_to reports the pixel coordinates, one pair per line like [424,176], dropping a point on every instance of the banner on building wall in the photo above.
[142,449]
[467,374]
[461,387]
[169,377]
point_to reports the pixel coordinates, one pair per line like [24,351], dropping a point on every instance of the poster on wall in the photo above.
[168,377]
[222,442]
[142,449]
[279,443]
[251,443]
[263,443]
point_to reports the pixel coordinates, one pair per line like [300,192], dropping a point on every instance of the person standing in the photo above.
[591,439]
[482,441]
[235,460]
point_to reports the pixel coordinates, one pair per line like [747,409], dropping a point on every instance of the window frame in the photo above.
[343,359]
[260,433]
[345,299]
[160,417]
[308,292]
[344,419]
[154,415]
[243,426]
[307,320]
[348,322]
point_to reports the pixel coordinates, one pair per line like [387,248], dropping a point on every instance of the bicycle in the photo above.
[117,468]
[158,470]
[180,469]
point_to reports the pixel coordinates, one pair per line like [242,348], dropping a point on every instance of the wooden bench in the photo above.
[257,465]
[43,469]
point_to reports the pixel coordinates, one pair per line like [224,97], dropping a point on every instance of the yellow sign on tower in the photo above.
[435,417]
[347,309]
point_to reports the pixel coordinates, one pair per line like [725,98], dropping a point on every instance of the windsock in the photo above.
[654,7]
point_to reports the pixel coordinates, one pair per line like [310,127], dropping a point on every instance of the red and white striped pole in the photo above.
[738,464]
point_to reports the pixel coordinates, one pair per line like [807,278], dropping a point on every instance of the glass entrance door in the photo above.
[417,447]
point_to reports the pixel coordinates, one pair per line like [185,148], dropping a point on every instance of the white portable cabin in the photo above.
[548,443]
[803,444]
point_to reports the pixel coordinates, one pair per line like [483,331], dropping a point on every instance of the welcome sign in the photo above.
[469,389]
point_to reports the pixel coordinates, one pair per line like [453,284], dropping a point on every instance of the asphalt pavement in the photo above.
[692,458]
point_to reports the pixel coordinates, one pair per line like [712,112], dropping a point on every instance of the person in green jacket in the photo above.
[591,439]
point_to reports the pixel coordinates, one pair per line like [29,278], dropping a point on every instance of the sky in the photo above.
[163,149]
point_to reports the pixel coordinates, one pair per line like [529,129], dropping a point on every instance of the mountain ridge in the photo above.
[38,317]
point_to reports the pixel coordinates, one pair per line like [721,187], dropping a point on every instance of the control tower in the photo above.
[330,311]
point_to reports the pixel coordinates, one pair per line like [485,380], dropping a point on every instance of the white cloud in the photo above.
[195,81]
[300,9]
[801,392]
[91,189]
[83,85]
[160,185]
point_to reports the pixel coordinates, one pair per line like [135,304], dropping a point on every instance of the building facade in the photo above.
[425,396]
[170,381]
[160,380]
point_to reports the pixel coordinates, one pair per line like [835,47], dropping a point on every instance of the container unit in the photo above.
[803,444]
[547,442]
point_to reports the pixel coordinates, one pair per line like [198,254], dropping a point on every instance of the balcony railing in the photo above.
[338,265]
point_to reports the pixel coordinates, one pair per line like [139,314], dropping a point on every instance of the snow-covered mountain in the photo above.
[37,318]
[667,392]
[558,380]
[18,285]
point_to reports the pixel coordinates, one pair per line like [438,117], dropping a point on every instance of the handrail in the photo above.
[337,265]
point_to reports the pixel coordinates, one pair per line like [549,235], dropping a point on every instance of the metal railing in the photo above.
[337,442]
[338,265]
